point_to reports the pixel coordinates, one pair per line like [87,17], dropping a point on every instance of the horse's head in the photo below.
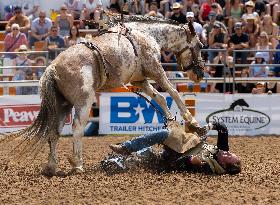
[189,58]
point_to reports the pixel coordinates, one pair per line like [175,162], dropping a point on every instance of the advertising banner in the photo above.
[128,113]
[18,112]
[243,114]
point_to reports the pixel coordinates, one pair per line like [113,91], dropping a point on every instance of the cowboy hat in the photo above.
[22,48]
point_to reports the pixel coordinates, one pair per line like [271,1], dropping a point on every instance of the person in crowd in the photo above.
[20,19]
[217,40]
[222,69]
[264,46]
[115,6]
[30,90]
[20,72]
[256,70]
[74,8]
[153,11]
[40,61]
[8,9]
[271,29]
[272,9]
[64,21]
[239,41]
[260,8]
[13,40]
[205,10]
[267,87]
[251,27]
[30,8]
[276,60]
[168,57]
[40,28]
[177,14]
[249,12]
[218,10]
[181,152]
[54,41]
[73,38]
[234,11]
[91,10]
[207,28]
[197,26]
[187,6]
[148,2]
[244,87]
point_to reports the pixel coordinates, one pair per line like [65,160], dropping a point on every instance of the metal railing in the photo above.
[5,83]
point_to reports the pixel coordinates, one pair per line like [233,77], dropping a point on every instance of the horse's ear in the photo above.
[190,25]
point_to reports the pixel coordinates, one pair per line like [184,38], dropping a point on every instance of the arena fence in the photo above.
[7,81]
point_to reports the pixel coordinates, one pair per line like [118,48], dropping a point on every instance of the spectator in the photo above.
[29,90]
[217,40]
[40,28]
[168,57]
[252,29]
[207,28]
[20,72]
[271,29]
[91,10]
[20,19]
[260,8]
[244,87]
[53,41]
[256,70]
[239,41]
[64,21]
[234,11]
[73,38]
[205,10]
[115,6]
[221,70]
[148,3]
[249,12]
[276,60]
[187,6]
[264,44]
[74,8]
[272,8]
[153,11]
[8,12]
[197,26]
[177,14]
[267,87]
[40,61]
[13,40]
[218,10]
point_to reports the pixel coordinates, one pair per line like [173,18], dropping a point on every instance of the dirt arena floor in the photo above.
[257,184]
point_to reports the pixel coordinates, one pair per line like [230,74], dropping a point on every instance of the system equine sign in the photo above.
[239,117]
[245,114]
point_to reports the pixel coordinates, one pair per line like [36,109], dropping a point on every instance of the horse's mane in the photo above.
[145,19]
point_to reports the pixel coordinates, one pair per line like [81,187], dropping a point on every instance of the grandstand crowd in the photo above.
[220,24]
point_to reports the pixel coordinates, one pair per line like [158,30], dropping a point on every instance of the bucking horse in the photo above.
[112,59]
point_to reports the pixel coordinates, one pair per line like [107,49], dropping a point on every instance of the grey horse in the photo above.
[110,60]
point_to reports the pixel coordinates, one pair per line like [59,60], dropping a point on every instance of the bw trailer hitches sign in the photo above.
[245,114]
[128,113]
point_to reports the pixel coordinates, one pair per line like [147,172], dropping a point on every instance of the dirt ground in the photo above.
[257,184]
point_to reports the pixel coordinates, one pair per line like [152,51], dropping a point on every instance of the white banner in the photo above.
[243,114]
[18,112]
[128,113]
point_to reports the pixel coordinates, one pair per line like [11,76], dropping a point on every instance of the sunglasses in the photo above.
[54,30]
[17,12]
[41,16]
[15,29]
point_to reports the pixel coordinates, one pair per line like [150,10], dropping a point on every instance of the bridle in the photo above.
[196,63]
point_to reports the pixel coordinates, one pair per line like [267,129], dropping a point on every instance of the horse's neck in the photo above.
[169,37]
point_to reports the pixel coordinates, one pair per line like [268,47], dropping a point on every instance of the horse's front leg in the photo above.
[165,84]
[154,94]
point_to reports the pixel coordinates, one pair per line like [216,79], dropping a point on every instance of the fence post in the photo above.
[233,72]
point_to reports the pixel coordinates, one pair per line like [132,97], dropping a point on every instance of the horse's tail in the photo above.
[31,140]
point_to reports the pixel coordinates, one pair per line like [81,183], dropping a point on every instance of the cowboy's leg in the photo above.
[146,140]
[222,141]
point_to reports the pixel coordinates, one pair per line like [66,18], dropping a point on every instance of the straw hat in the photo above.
[22,48]
[176,5]
[42,58]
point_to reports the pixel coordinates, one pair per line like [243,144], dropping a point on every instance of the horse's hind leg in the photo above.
[154,94]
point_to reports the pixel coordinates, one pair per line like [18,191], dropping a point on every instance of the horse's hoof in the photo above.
[77,170]
[49,171]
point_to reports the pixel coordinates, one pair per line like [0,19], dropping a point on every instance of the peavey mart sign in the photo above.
[243,114]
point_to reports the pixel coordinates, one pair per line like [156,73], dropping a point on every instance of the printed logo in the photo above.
[21,115]
[133,109]
[239,117]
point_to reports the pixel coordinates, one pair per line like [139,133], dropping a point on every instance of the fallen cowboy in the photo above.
[181,151]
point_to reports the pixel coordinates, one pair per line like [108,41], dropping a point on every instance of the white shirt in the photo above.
[94,4]
[198,28]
